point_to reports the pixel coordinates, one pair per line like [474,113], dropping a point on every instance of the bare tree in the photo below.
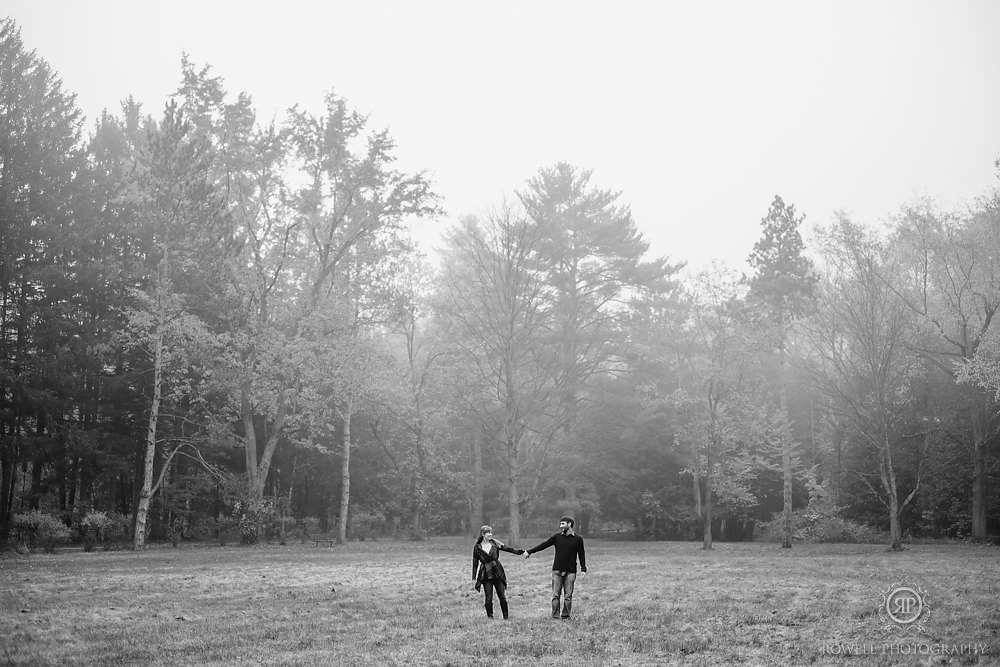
[861,339]
[951,283]
[498,317]
[718,399]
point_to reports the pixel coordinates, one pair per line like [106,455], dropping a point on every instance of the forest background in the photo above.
[211,325]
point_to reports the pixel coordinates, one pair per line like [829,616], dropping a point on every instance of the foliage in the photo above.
[117,530]
[492,306]
[366,523]
[243,299]
[49,272]
[108,529]
[783,278]
[92,529]
[867,364]
[782,289]
[38,529]
[595,272]
[255,519]
[819,521]
[216,528]
[951,285]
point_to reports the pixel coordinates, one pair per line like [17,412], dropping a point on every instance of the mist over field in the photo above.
[273,354]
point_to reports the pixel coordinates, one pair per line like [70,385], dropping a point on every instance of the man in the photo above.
[569,547]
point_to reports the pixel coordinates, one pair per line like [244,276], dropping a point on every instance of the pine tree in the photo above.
[782,288]
[593,261]
[41,160]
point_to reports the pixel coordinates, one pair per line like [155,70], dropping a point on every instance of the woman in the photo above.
[490,575]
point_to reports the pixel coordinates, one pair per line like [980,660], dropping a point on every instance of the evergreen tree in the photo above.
[782,288]
[592,259]
[41,163]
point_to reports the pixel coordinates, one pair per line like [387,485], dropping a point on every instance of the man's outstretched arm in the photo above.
[544,545]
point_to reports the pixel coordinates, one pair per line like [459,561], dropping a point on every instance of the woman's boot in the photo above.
[503,607]
[489,609]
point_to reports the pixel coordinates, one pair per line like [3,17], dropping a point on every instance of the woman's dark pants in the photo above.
[488,587]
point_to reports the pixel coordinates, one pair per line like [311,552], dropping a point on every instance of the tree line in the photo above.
[209,323]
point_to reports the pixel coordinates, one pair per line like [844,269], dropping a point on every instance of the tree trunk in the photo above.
[707,513]
[478,483]
[142,509]
[345,475]
[291,489]
[35,493]
[979,430]
[77,491]
[786,467]
[257,470]
[786,451]
[62,473]
[696,488]
[249,438]
[888,474]
[839,489]
[889,481]
[419,478]
[571,500]
[895,532]
[514,501]
[8,481]
[512,435]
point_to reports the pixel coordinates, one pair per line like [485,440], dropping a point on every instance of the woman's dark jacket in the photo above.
[488,563]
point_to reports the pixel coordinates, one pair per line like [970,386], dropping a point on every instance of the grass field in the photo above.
[412,603]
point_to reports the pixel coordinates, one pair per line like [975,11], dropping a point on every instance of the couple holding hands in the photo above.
[489,574]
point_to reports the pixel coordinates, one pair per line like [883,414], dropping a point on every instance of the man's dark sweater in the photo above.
[568,547]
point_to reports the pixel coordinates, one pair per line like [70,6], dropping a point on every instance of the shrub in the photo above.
[176,529]
[219,528]
[36,529]
[255,519]
[117,531]
[298,532]
[366,523]
[92,528]
[819,521]
[109,529]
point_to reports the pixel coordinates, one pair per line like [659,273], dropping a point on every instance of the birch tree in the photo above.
[180,210]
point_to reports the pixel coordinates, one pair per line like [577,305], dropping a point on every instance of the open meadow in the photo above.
[413,603]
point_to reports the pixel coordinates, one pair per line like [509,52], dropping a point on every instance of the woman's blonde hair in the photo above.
[483,531]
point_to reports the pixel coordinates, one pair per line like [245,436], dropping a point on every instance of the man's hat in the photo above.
[568,519]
